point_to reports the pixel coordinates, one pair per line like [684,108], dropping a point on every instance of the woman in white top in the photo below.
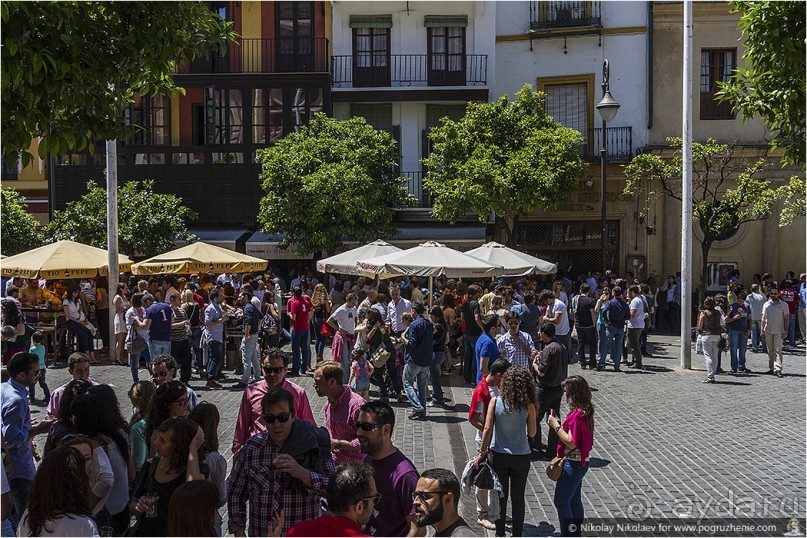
[61,488]
[136,317]
[78,324]
[121,305]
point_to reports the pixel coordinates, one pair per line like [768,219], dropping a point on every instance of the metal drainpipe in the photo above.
[649,65]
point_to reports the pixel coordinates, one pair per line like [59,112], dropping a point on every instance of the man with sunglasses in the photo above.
[351,497]
[341,412]
[163,370]
[286,467]
[249,422]
[775,320]
[396,476]
[515,346]
[436,502]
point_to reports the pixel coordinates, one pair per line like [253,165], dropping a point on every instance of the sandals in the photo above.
[709,380]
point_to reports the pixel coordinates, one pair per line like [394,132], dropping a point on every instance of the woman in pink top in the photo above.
[576,439]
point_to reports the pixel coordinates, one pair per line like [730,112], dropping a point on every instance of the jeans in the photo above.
[567,500]
[549,399]
[469,358]
[250,359]
[602,345]
[587,335]
[434,374]
[214,358]
[42,383]
[196,339]
[159,347]
[633,337]
[738,341]
[791,331]
[83,336]
[181,351]
[512,472]
[19,497]
[757,342]
[319,340]
[566,341]
[615,336]
[134,362]
[300,352]
[347,362]
[416,374]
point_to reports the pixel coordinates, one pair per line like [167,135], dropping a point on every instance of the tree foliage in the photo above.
[725,191]
[148,223]
[70,69]
[332,180]
[507,157]
[20,230]
[772,83]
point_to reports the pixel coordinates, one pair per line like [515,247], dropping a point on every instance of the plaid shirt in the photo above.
[254,479]
[340,421]
[512,351]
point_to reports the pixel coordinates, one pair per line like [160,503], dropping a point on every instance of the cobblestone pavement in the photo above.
[666,445]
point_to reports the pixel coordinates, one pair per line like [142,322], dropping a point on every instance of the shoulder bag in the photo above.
[555,468]
[134,342]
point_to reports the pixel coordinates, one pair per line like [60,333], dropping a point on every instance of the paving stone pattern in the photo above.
[666,445]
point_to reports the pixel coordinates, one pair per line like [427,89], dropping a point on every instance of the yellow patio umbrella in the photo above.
[63,259]
[199,257]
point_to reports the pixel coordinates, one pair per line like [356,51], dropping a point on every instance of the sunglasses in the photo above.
[367,426]
[275,371]
[282,417]
[164,373]
[426,495]
[182,402]
[375,498]
[512,323]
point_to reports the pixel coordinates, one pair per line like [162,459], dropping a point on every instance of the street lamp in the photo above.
[607,108]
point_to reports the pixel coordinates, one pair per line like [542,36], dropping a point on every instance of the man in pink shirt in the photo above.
[341,412]
[78,365]
[250,420]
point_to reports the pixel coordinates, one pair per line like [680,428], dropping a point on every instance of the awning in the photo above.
[462,238]
[445,21]
[233,239]
[370,21]
[266,246]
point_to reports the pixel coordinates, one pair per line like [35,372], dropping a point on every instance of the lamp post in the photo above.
[607,108]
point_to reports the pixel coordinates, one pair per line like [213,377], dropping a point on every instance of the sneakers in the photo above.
[709,380]
[745,370]
[211,384]
[418,416]
[486,523]
[778,374]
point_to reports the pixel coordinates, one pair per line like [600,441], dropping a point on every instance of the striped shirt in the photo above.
[179,333]
[511,350]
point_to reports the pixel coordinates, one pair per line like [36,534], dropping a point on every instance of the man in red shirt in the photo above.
[478,410]
[300,311]
[351,496]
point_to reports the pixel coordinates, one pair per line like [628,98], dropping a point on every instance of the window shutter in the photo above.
[445,21]
[371,21]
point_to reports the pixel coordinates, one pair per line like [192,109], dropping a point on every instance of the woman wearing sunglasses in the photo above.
[171,402]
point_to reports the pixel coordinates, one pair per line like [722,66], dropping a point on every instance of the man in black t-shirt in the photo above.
[583,307]
[472,321]
[552,368]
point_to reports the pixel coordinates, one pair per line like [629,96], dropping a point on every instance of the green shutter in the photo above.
[446,21]
[371,21]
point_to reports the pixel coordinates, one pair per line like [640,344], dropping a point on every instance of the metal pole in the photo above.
[112,233]
[603,153]
[686,194]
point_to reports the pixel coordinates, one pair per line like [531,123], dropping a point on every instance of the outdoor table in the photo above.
[47,322]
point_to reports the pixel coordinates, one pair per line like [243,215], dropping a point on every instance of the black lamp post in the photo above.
[607,108]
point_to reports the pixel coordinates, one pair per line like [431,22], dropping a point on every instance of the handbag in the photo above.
[380,357]
[555,468]
[135,343]
[326,330]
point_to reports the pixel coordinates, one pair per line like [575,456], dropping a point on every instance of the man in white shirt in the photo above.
[636,324]
[343,321]
[557,313]
[775,320]
[755,302]
[397,306]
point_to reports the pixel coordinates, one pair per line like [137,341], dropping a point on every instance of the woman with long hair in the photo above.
[710,329]
[177,461]
[206,415]
[97,415]
[576,436]
[322,309]
[61,489]
[99,469]
[135,318]
[560,291]
[194,510]
[78,323]
[121,304]
[510,422]
[171,401]
[440,339]
[64,418]
[142,395]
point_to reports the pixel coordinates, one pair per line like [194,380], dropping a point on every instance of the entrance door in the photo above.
[295,36]
[371,57]
[446,57]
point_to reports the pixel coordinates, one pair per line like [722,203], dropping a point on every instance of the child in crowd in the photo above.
[360,372]
[39,350]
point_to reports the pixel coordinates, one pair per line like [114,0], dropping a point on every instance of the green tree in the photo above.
[70,69]
[332,180]
[148,223]
[725,191]
[772,83]
[508,157]
[21,231]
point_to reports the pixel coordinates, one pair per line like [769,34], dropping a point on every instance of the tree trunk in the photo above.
[706,246]
[508,231]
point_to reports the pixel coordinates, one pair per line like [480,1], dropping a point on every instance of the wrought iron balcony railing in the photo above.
[618,144]
[409,70]
[564,14]
[264,55]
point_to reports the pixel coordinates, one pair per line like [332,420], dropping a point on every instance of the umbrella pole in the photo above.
[112,236]
[431,291]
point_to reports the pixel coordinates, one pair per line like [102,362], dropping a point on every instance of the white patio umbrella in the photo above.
[515,263]
[345,263]
[429,259]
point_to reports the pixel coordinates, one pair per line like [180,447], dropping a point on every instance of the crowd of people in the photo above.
[161,472]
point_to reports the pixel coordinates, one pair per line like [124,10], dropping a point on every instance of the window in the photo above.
[371,56]
[151,119]
[446,56]
[717,65]
[294,31]
[306,103]
[377,115]
[267,115]
[224,116]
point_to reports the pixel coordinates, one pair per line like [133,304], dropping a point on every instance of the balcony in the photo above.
[415,187]
[618,145]
[263,55]
[410,70]
[561,15]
